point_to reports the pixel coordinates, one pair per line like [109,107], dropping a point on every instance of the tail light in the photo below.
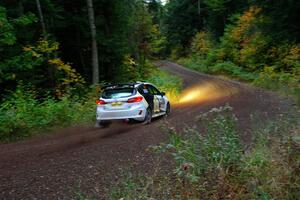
[100,102]
[135,99]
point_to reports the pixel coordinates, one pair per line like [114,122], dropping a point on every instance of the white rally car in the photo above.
[133,101]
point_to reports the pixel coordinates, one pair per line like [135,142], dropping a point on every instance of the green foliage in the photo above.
[282,18]
[7,36]
[124,29]
[167,83]
[12,61]
[197,155]
[131,188]
[218,14]
[246,53]
[285,83]
[177,52]
[180,23]
[22,115]
[157,42]
[129,70]
[18,62]
[241,44]
[196,63]
[229,68]
[201,44]
[80,196]
[8,27]
[215,165]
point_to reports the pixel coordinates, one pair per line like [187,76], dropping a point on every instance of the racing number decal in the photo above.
[156,103]
[162,103]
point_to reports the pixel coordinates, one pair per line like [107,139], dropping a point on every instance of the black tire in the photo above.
[102,124]
[148,116]
[168,110]
[131,121]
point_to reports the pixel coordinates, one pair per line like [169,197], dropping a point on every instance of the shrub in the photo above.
[286,83]
[195,63]
[214,165]
[233,70]
[204,159]
[201,44]
[23,115]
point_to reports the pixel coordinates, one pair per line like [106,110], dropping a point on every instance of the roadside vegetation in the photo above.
[23,114]
[46,84]
[248,55]
[251,41]
[213,163]
[170,84]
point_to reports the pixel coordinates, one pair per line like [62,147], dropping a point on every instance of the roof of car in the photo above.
[124,85]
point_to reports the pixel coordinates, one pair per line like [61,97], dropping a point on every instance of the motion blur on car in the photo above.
[138,101]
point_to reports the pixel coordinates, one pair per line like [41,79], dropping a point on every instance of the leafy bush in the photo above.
[195,63]
[23,115]
[205,160]
[286,83]
[201,44]
[229,68]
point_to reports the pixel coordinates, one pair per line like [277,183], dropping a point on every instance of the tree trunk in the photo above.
[38,4]
[95,63]
[199,7]
[21,7]
[50,69]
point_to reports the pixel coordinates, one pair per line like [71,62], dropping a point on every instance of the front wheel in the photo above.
[148,116]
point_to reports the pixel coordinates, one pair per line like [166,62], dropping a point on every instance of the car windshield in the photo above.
[117,93]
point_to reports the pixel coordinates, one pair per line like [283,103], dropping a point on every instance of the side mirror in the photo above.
[163,93]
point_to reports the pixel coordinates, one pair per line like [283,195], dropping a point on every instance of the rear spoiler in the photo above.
[120,85]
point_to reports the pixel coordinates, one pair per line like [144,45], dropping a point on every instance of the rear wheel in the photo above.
[148,116]
[168,109]
[102,124]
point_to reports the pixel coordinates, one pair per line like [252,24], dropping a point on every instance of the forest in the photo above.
[53,52]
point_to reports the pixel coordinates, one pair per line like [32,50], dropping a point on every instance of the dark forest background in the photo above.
[47,43]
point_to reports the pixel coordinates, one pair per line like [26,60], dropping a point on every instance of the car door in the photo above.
[145,92]
[158,100]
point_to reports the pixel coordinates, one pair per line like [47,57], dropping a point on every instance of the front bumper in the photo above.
[135,112]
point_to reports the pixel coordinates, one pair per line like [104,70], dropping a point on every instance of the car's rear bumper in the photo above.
[135,112]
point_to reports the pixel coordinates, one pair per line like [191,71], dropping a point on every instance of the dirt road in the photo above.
[91,161]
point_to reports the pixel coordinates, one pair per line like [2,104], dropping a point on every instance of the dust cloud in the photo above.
[205,92]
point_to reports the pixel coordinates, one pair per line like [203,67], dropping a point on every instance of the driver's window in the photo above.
[143,90]
[153,90]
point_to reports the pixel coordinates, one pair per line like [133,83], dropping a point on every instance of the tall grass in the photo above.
[214,164]
[167,83]
[23,115]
